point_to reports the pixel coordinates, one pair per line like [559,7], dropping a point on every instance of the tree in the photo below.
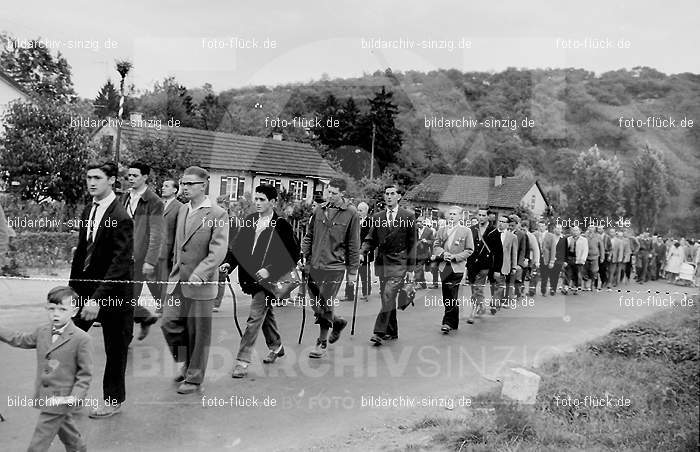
[163,154]
[348,116]
[595,189]
[43,152]
[167,100]
[107,101]
[329,136]
[647,189]
[33,66]
[388,141]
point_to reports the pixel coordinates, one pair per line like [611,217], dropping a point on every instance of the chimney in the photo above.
[135,117]
[277,136]
[498,181]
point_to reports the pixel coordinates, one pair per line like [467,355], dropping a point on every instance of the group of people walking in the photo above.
[183,251]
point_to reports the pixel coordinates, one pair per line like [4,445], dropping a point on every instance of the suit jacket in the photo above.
[556,248]
[395,245]
[580,252]
[486,257]
[462,246]
[364,230]
[200,247]
[112,259]
[510,251]
[523,248]
[627,249]
[424,249]
[533,250]
[148,227]
[617,251]
[167,245]
[64,368]
[281,256]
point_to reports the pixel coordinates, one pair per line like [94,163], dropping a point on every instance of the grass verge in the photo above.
[635,389]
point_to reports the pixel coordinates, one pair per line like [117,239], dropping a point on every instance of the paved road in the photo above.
[313,399]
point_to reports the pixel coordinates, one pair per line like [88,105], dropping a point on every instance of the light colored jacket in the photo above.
[64,367]
[510,251]
[534,250]
[461,246]
[200,247]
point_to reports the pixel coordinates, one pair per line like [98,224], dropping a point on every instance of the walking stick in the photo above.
[354,304]
[235,317]
[302,293]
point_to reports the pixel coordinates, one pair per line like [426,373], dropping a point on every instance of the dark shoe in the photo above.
[435,286]
[376,340]
[272,356]
[187,388]
[493,310]
[544,294]
[105,411]
[389,337]
[320,350]
[146,326]
[338,327]
[552,293]
[239,371]
[470,320]
[180,377]
[445,329]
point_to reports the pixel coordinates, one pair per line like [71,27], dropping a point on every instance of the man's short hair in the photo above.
[58,293]
[338,183]
[109,168]
[491,212]
[391,186]
[176,184]
[269,191]
[514,218]
[318,199]
[483,210]
[196,171]
[141,166]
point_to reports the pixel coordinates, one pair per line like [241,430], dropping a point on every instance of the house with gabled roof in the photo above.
[438,192]
[237,163]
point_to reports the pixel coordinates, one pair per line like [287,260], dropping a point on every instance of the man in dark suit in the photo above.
[393,233]
[485,262]
[556,250]
[424,250]
[146,209]
[171,209]
[201,241]
[105,255]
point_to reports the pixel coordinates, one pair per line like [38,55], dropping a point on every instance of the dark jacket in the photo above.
[395,245]
[364,230]
[148,227]
[281,256]
[169,226]
[111,259]
[332,240]
[523,248]
[423,249]
[488,256]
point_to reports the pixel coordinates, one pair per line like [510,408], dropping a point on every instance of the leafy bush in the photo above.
[43,249]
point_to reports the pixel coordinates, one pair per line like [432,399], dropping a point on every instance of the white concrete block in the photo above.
[520,385]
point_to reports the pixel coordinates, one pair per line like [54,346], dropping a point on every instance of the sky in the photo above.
[299,41]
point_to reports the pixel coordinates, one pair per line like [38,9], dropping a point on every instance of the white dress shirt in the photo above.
[205,203]
[134,197]
[101,209]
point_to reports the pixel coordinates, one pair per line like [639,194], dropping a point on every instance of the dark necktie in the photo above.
[92,230]
[391,218]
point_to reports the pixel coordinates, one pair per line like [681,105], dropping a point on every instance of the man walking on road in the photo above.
[331,248]
[393,234]
[146,209]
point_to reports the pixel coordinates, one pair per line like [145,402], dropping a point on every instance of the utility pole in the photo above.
[371,163]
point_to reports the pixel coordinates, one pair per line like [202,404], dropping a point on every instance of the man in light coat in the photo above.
[453,245]
[201,241]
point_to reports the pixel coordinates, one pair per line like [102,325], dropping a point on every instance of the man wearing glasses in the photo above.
[201,241]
